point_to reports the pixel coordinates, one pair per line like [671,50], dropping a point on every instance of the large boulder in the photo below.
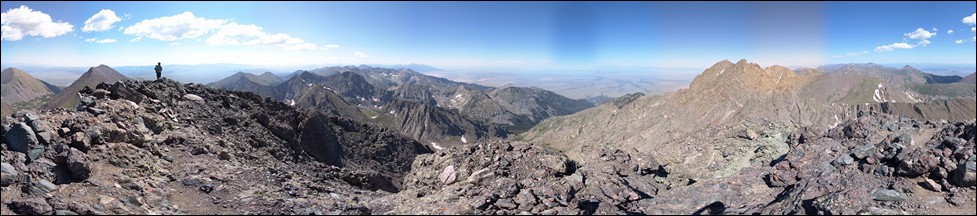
[35,206]
[965,175]
[21,138]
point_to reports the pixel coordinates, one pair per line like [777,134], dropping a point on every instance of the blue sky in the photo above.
[527,35]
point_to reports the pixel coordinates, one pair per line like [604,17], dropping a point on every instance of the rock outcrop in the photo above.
[160,147]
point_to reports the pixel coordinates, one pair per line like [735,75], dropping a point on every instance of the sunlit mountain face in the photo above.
[488,108]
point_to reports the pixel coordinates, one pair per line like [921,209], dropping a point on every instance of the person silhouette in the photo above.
[159,70]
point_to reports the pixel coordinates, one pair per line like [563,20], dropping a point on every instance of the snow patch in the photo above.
[721,72]
[911,98]
[291,102]
[880,94]
[436,146]
[463,140]
[837,122]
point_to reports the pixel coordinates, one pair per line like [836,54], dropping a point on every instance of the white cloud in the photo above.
[234,34]
[857,53]
[973,29]
[851,54]
[360,55]
[922,35]
[970,19]
[137,39]
[22,21]
[960,41]
[102,41]
[101,21]
[949,31]
[893,46]
[330,46]
[171,28]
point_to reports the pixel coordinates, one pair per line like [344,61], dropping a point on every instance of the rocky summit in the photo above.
[741,140]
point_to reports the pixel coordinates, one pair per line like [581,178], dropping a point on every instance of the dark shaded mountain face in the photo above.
[19,87]
[421,120]
[456,113]
[514,108]
[68,98]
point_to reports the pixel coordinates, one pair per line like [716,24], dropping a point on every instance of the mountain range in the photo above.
[435,110]
[740,139]
[19,87]
[730,98]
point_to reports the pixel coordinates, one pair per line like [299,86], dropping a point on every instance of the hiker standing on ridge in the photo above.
[159,70]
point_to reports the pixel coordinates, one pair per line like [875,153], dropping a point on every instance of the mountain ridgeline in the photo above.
[438,111]
[741,139]
[69,98]
[729,99]
[20,87]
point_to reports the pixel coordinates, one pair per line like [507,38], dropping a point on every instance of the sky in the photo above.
[525,35]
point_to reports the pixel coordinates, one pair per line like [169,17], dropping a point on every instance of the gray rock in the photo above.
[30,117]
[7,179]
[965,175]
[881,211]
[557,164]
[506,204]
[929,184]
[194,98]
[87,101]
[207,188]
[448,176]
[64,212]
[525,198]
[44,137]
[80,141]
[4,127]
[79,165]
[21,138]
[577,180]
[862,152]
[889,195]
[843,160]
[891,126]
[101,93]
[906,139]
[36,206]
[95,111]
[35,153]
[749,134]
[64,132]
[41,186]
[136,201]
[8,169]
